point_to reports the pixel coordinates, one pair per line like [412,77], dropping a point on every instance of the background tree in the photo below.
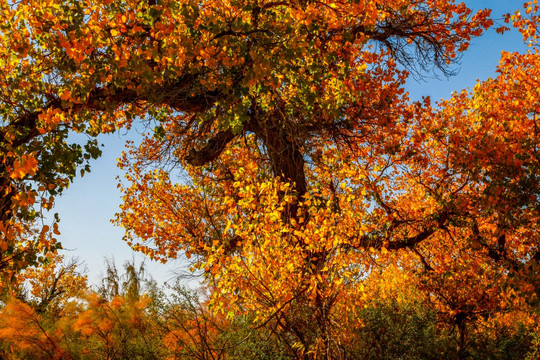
[32,316]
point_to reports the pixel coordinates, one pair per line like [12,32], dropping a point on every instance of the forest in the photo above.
[328,214]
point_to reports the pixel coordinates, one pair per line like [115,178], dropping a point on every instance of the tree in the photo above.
[309,165]
[32,317]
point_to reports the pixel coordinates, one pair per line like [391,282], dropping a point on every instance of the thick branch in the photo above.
[211,151]
[410,242]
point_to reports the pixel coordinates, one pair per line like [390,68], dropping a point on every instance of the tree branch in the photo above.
[211,151]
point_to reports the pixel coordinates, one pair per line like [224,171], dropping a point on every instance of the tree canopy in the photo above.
[309,169]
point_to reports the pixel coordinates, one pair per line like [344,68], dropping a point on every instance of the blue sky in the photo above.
[88,205]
